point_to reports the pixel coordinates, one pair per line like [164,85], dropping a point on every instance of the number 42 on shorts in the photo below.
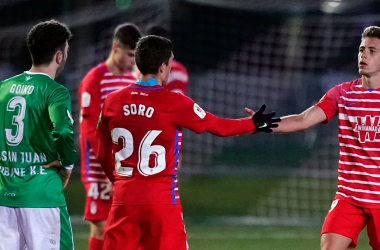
[100,190]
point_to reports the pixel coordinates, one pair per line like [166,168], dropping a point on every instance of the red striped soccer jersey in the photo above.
[358,112]
[94,88]
[178,78]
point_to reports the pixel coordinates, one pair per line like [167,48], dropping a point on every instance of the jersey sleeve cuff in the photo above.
[67,166]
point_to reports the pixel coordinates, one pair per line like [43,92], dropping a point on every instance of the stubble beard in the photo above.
[60,68]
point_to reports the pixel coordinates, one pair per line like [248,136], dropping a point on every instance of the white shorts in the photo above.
[35,229]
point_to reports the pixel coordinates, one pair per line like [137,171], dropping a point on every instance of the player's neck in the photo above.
[112,67]
[50,71]
[372,82]
[145,78]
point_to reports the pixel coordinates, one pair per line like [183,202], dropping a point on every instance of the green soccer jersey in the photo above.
[37,128]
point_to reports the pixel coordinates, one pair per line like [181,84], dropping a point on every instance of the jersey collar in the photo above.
[149,83]
[36,73]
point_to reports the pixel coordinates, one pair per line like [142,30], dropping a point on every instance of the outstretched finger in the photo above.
[262,108]
[249,111]
[270,115]
[278,119]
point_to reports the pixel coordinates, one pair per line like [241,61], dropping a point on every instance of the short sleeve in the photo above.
[90,94]
[102,129]
[329,103]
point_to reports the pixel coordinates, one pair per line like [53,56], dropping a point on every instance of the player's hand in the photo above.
[263,122]
[63,173]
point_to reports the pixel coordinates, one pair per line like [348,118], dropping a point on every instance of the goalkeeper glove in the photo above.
[265,122]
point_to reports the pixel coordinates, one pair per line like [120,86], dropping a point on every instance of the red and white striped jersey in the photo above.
[178,78]
[94,88]
[358,111]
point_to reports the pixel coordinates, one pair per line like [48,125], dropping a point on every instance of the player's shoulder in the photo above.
[176,97]
[350,85]
[96,72]
[11,79]
[56,89]
[117,95]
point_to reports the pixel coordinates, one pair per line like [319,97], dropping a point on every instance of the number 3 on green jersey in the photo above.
[15,130]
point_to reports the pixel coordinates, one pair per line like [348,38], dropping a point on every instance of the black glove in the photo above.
[264,122]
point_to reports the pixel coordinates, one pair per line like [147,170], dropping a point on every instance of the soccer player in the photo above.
[356,103]
[37,147]
[138,148]
[178,78]
[111,75]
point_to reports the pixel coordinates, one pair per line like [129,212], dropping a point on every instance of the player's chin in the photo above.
[363,72]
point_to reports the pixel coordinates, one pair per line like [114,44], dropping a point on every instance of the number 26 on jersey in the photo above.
[145,150]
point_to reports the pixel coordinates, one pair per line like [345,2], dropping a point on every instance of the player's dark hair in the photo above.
[157,30]
[371,31]
[151,52]
[127,34]
[45,39]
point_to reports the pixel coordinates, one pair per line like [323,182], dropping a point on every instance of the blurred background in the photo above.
[253,192]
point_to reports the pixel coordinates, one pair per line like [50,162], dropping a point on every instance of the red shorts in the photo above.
[349,220]
[145,227]
[98,200]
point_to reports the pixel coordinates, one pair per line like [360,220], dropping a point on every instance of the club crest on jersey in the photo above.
[86,99]
[367,128]
[199,111]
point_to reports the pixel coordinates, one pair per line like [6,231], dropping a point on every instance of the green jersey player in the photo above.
[37,147]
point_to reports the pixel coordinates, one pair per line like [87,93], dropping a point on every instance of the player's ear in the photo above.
[162,68]
[115,46]
[58,57]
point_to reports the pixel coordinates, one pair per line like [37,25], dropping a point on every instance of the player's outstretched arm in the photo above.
[301,122]
[258,122]
[295,123]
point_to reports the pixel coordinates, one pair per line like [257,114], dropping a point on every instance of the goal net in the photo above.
[242,59]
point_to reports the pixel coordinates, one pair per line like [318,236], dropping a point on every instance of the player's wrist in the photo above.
[66,166]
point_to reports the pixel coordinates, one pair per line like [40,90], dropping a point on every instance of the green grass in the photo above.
[200,196]
[226,237]
[203,197]
[223,195]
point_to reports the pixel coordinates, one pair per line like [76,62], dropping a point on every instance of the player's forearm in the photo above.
[229,127]
[291,123]
[64,141]
[295,123]
[89,131]
[104,155]
[63,135]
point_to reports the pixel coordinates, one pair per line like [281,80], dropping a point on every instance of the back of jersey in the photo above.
[145,126]
[35,111]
